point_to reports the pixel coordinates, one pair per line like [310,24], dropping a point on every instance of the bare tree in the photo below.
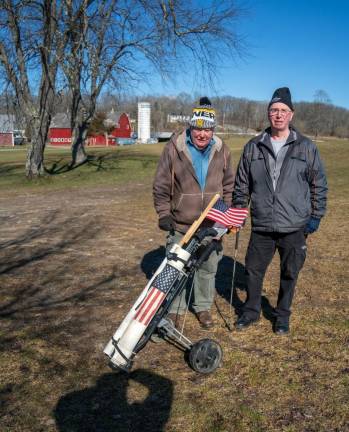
[31,46]
[319,113]
[322,97]
[117,43]
[96,44]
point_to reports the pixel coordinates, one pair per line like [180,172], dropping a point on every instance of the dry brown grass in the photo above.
[72,263]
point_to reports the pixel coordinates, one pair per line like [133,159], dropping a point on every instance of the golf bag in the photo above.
[148,313]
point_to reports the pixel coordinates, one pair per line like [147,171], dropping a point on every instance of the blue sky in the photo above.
[300,44]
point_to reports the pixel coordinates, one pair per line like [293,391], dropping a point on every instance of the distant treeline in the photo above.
[238,114]
[233,114]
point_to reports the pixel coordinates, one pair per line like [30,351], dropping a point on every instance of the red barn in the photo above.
[6,130]
[60,132]
[123,127]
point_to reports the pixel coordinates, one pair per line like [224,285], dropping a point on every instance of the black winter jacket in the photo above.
[300,191]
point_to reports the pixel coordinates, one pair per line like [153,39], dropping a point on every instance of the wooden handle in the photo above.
[191,231]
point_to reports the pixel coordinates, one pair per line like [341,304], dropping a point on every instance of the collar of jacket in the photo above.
[264,138]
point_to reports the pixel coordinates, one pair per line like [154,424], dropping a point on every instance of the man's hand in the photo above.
[166,223]
[312,225]
[234,230]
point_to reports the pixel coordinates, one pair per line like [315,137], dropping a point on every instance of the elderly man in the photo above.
[194,166]
[281,174]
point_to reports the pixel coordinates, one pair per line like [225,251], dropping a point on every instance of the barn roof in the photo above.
[60,120]
[113,117]
[6,123]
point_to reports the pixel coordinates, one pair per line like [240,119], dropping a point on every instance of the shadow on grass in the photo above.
[105,407]
[102,162]
[36,280]
[227,288]
[36,243]
[152,260]
[60,167]
[9,169]
[224,286]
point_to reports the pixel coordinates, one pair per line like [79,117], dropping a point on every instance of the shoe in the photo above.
[205,319]
[243,322]
[175,319]
[281,328]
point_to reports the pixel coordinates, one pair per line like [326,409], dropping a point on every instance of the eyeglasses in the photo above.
[275,111]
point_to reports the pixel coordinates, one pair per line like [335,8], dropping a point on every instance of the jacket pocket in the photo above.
[187,208]
[207,197]
[293,265]
[300,165]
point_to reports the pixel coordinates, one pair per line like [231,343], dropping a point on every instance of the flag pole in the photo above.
[191,231]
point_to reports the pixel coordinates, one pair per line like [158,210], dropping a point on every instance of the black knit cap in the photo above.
[282,95]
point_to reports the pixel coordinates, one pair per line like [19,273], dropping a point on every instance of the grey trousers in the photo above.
[204,282]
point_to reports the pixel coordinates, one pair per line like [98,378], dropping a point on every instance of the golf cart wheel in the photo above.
[205,356]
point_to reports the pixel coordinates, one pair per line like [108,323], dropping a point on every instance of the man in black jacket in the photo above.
[281,174]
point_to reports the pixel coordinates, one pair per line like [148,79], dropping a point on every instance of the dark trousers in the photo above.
[260,252]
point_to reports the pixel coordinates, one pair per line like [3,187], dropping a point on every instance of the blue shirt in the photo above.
[200,159]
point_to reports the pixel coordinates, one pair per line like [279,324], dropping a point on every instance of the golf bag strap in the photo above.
[174,257]
[115,345]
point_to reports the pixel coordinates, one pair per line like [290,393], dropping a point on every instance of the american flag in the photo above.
[226,215]
[160,287]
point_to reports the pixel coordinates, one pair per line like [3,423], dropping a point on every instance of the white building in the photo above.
[144,112]
[177,118]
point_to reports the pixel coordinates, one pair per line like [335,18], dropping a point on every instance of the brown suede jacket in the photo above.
[176,189]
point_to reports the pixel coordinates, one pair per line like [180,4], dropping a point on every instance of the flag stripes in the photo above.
[156,294]
[149,306]
[227,216]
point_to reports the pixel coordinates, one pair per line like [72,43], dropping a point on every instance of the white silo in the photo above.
[143,121]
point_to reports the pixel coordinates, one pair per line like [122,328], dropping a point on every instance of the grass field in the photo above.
[77,247]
